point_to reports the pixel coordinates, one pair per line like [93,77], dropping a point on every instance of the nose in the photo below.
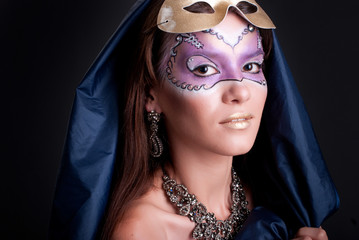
[235,93]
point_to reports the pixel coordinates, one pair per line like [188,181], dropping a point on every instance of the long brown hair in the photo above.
[135,168]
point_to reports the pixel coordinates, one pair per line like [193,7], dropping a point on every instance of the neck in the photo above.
[206,175]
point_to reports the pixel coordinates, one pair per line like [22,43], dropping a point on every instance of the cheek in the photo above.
[186,108]
[260,94]
[259,101]
[256,102]
[263,92]
[174,105]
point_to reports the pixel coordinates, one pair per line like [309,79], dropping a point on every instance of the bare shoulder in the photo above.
[153,217]
[141,221]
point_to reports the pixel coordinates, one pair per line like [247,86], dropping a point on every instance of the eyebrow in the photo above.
[255,54]
[214,53]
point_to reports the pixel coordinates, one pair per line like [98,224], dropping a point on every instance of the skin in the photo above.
[202,144]
[189,115]
[307,233]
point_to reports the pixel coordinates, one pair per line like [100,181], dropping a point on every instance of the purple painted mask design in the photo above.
[203,59]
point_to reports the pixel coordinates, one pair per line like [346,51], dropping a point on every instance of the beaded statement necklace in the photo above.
[207,226]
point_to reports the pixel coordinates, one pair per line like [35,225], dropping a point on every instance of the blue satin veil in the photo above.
[291,184]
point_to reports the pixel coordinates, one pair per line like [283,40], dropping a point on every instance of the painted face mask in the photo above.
[183,16]
[231,51]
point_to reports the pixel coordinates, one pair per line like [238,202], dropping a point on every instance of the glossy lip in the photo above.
[238,121]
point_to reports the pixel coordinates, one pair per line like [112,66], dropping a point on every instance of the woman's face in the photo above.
[214,94]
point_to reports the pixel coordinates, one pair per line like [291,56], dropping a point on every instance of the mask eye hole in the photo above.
[199,7]
[247,7]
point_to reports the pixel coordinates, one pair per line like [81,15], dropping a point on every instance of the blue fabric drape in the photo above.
[263,224]
[285,168]
[299,191]
[84,180]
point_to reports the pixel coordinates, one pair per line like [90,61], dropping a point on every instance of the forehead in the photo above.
[231,25]
[230,36]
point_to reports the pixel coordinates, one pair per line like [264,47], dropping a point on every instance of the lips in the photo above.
[238,121]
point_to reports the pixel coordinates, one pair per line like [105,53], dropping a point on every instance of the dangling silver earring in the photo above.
[156,143]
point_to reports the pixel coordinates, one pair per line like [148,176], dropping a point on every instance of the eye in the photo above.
[202,66]
[252,67]
[205,71]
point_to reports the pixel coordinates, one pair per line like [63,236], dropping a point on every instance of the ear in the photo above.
[152,103]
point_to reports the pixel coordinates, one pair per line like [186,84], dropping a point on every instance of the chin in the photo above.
[241,145]
[237,149]
[242,151]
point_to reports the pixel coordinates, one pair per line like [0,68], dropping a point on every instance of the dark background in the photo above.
[47,46]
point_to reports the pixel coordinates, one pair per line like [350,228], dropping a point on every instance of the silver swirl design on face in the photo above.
[250,28]
[180,38]
[191,39]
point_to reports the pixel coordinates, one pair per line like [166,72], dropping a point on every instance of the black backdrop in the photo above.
[47,46]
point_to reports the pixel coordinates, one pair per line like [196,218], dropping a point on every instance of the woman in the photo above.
[210,112]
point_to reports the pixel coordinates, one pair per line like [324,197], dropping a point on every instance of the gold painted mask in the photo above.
[183,16]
